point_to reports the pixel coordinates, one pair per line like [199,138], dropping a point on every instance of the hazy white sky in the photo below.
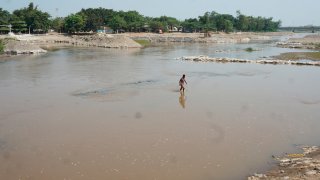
[290,12]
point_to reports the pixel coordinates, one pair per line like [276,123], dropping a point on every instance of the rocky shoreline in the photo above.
[202,58]
[305,165]
[14,47]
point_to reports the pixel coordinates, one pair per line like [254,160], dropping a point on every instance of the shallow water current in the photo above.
[118,114]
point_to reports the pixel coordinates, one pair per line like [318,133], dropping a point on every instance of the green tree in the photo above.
[117,23]
[228,26]
[191,25]
[157,25]
[96,17]
[226,22]
[205,22]
[168,22]
[74,23]
[260,22]
[134,21]
[4,17]
[271,25]
[34,18]
[57,24]
[252,24]
[19,26]
[92,19]
[41,21]
[222,20]
[242,22]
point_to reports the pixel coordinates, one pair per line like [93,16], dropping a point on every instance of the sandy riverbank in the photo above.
[32,44]
[307,42]
[240,37]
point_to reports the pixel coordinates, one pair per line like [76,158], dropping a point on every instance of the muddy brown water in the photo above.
[117,114]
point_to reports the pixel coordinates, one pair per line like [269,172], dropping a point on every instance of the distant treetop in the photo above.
[100,19]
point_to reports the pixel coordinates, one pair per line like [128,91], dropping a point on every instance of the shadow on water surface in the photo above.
[4,150]
[113,93]
[141,82]
[309,102]
[217,133]
[106,95]
[2,144]
[89,92]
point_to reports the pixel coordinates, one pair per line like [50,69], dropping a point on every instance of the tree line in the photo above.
[31,19]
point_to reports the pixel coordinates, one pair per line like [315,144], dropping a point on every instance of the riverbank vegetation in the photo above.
[249,49]
[32,20]
[299,56]
[1,46]
[25,20]
[142,42]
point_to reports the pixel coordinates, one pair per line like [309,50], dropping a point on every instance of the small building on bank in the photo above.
[105,29]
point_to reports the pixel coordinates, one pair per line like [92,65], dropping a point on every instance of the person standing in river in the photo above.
[181,82]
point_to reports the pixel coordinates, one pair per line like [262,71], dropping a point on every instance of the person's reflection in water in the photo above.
[182,100]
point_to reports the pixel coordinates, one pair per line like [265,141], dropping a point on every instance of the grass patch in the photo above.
[299,56]
[143,42]
[1,46]
[250,49]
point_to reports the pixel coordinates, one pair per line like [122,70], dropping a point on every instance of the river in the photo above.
[117,113]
